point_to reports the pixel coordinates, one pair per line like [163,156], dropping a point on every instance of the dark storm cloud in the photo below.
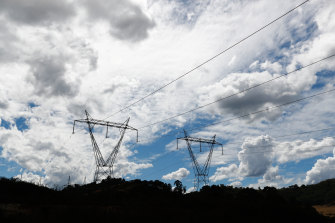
[127,21]
[3,105]
[256,100]
[48,77]
[36,12]
[275,93]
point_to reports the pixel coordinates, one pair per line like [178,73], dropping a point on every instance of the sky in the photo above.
[60,58]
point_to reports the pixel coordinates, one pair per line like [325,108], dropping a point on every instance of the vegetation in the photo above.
[315,194]
[120,200]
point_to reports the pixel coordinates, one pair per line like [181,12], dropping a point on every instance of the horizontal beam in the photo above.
[105,123]
[192,139]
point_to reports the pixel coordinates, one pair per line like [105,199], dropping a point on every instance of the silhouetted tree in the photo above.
[179,187]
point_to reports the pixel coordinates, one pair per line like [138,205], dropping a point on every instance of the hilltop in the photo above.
[120,200]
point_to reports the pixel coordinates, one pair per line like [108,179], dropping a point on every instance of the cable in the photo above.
[210,59]
[268,108]
[243,154]
[248,114]
[283,136]
[240,92]
[275,137]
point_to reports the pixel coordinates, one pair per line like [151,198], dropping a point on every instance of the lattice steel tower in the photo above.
[200,172]
[104,168]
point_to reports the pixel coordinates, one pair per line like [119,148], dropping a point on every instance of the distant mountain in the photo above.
[117,200]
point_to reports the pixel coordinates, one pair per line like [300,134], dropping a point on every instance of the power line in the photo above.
[235,143]
[208,60]
[302,133]
[248,114]
[283,136]
[247,153]
[243,154]
[275,137]
[267,109]
[240,92]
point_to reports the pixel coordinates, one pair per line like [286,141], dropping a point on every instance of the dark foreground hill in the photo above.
[117,200]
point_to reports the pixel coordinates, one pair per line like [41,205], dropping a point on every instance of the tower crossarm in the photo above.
[104,123]
[94,122]
[193,139]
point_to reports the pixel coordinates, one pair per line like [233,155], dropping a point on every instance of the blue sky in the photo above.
[90,56]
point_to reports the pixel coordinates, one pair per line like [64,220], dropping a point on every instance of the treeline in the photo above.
[315,194]
[120,200]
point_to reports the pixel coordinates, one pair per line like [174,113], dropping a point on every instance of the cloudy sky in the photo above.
[58,58]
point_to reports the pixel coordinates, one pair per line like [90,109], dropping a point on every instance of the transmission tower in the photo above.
[104,168]
[200,171]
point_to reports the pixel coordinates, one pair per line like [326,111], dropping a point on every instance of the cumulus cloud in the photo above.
[323,169]
[255,160]
[256,156]
[299,150]
[177,175]
[37,12]
[123,168]
[269,95]
[272,174]
[49,77]
[228,172]
[320,45]
[236,184]
[126,20]
[191,189]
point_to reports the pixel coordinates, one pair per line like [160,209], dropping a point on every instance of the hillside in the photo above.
[120,200]
[315,194]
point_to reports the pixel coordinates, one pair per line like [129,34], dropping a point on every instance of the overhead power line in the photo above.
[243,154]
[208,60]
[240,92]
[266,109]
[274,137]
[252,113]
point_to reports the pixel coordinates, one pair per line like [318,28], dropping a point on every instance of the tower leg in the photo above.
[96,174]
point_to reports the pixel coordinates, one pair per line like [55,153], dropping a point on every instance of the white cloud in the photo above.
[272,174]
[126,20]
[323,169]
[236,184]
[259,153]
[256,156]
[273,179]
[228,172]
[274,67]
[299,150]
[191,189]
[177,175]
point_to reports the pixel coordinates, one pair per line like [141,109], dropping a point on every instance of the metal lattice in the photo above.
[200,172]
[104,168]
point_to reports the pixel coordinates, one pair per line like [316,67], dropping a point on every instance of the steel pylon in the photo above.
[104,168]
[200,171]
